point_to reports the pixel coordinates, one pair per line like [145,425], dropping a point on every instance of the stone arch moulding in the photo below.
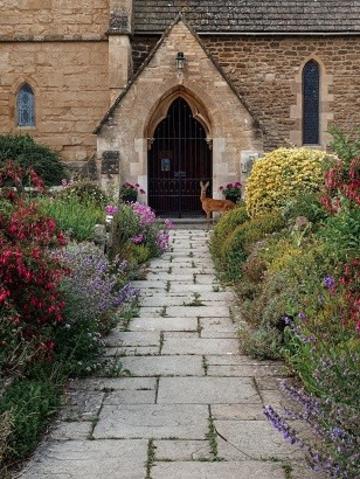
[160,110]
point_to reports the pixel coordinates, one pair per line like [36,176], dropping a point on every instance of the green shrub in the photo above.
[346,146]
[141,253]
[86,193]
[26,152]
[342,233]
[237,246]
[226,225]
[281,175]
[307,205]
[125,225]
[31,403]
[262,343]
[75,218]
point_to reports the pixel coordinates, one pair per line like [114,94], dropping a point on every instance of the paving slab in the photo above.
[164,324]
[130,397]
[200,311]
[201,346]
[114,384]
[164,365]
[120,338]
[82,405]
[132,351]
[66,431]
[90,460]
[247,370]
[216,470]
[182,450]
[193,288]
[257,439]
[238,412]
[207,390]
[156,421]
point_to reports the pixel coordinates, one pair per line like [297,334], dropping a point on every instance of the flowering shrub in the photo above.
[92,275]
[29,276]
[137,224]
[129,192]
[85,192]
[145,214]
[281,175]
[232,191]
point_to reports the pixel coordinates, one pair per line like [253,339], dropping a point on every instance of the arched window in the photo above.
[25,106]
[311,103]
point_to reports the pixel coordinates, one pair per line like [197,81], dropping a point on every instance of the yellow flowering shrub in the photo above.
[281,175]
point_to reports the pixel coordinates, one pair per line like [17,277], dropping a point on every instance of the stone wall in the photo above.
[29,19]
[141,47]
[70,80]
[267,72]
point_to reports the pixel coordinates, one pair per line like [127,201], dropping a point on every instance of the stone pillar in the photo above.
[120,57]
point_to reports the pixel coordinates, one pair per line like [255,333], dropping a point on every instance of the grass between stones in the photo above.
[150,458]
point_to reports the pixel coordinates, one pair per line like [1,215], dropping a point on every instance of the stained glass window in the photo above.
[311,103]
[26,106]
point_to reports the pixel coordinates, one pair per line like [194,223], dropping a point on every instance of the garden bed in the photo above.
[60,294]
[292,254]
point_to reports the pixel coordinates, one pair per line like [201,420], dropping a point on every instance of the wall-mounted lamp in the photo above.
[180,61]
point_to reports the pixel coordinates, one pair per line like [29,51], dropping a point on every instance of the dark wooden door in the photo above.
[180,157]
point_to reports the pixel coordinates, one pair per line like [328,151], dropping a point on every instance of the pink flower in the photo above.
[169,224]
[138,239]
[111,210]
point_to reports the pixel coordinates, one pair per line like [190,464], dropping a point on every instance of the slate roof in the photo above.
[250,16]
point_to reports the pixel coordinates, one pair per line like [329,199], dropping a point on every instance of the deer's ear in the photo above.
[207,184]
[201,184]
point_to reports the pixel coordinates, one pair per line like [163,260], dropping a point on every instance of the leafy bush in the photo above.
[307,205]
[32,403]
[226,225]
[281,175]
[346,146]
[237,246]
[26,153]
[86,193]
[73,216]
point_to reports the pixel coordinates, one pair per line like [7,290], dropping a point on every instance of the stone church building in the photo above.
[166,93]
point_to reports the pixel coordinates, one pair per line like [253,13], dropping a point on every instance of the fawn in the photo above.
[210,206]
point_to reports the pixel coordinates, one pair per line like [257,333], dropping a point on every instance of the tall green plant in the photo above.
[74,217]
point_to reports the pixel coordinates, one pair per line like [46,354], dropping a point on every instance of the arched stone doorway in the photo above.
[179,158]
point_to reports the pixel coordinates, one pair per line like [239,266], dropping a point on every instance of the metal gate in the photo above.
[180,157]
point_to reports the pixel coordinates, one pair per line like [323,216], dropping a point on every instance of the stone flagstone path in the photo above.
[193,406]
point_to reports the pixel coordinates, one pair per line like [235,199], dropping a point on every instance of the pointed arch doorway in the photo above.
[179,158]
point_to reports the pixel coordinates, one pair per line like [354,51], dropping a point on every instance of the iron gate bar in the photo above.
[181,140]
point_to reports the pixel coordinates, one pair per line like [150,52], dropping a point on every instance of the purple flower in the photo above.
[302,316]
[329,283]
[287,320]
[162,241]
[138,239]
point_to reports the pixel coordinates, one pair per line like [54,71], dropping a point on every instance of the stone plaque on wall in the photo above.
[110,163]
